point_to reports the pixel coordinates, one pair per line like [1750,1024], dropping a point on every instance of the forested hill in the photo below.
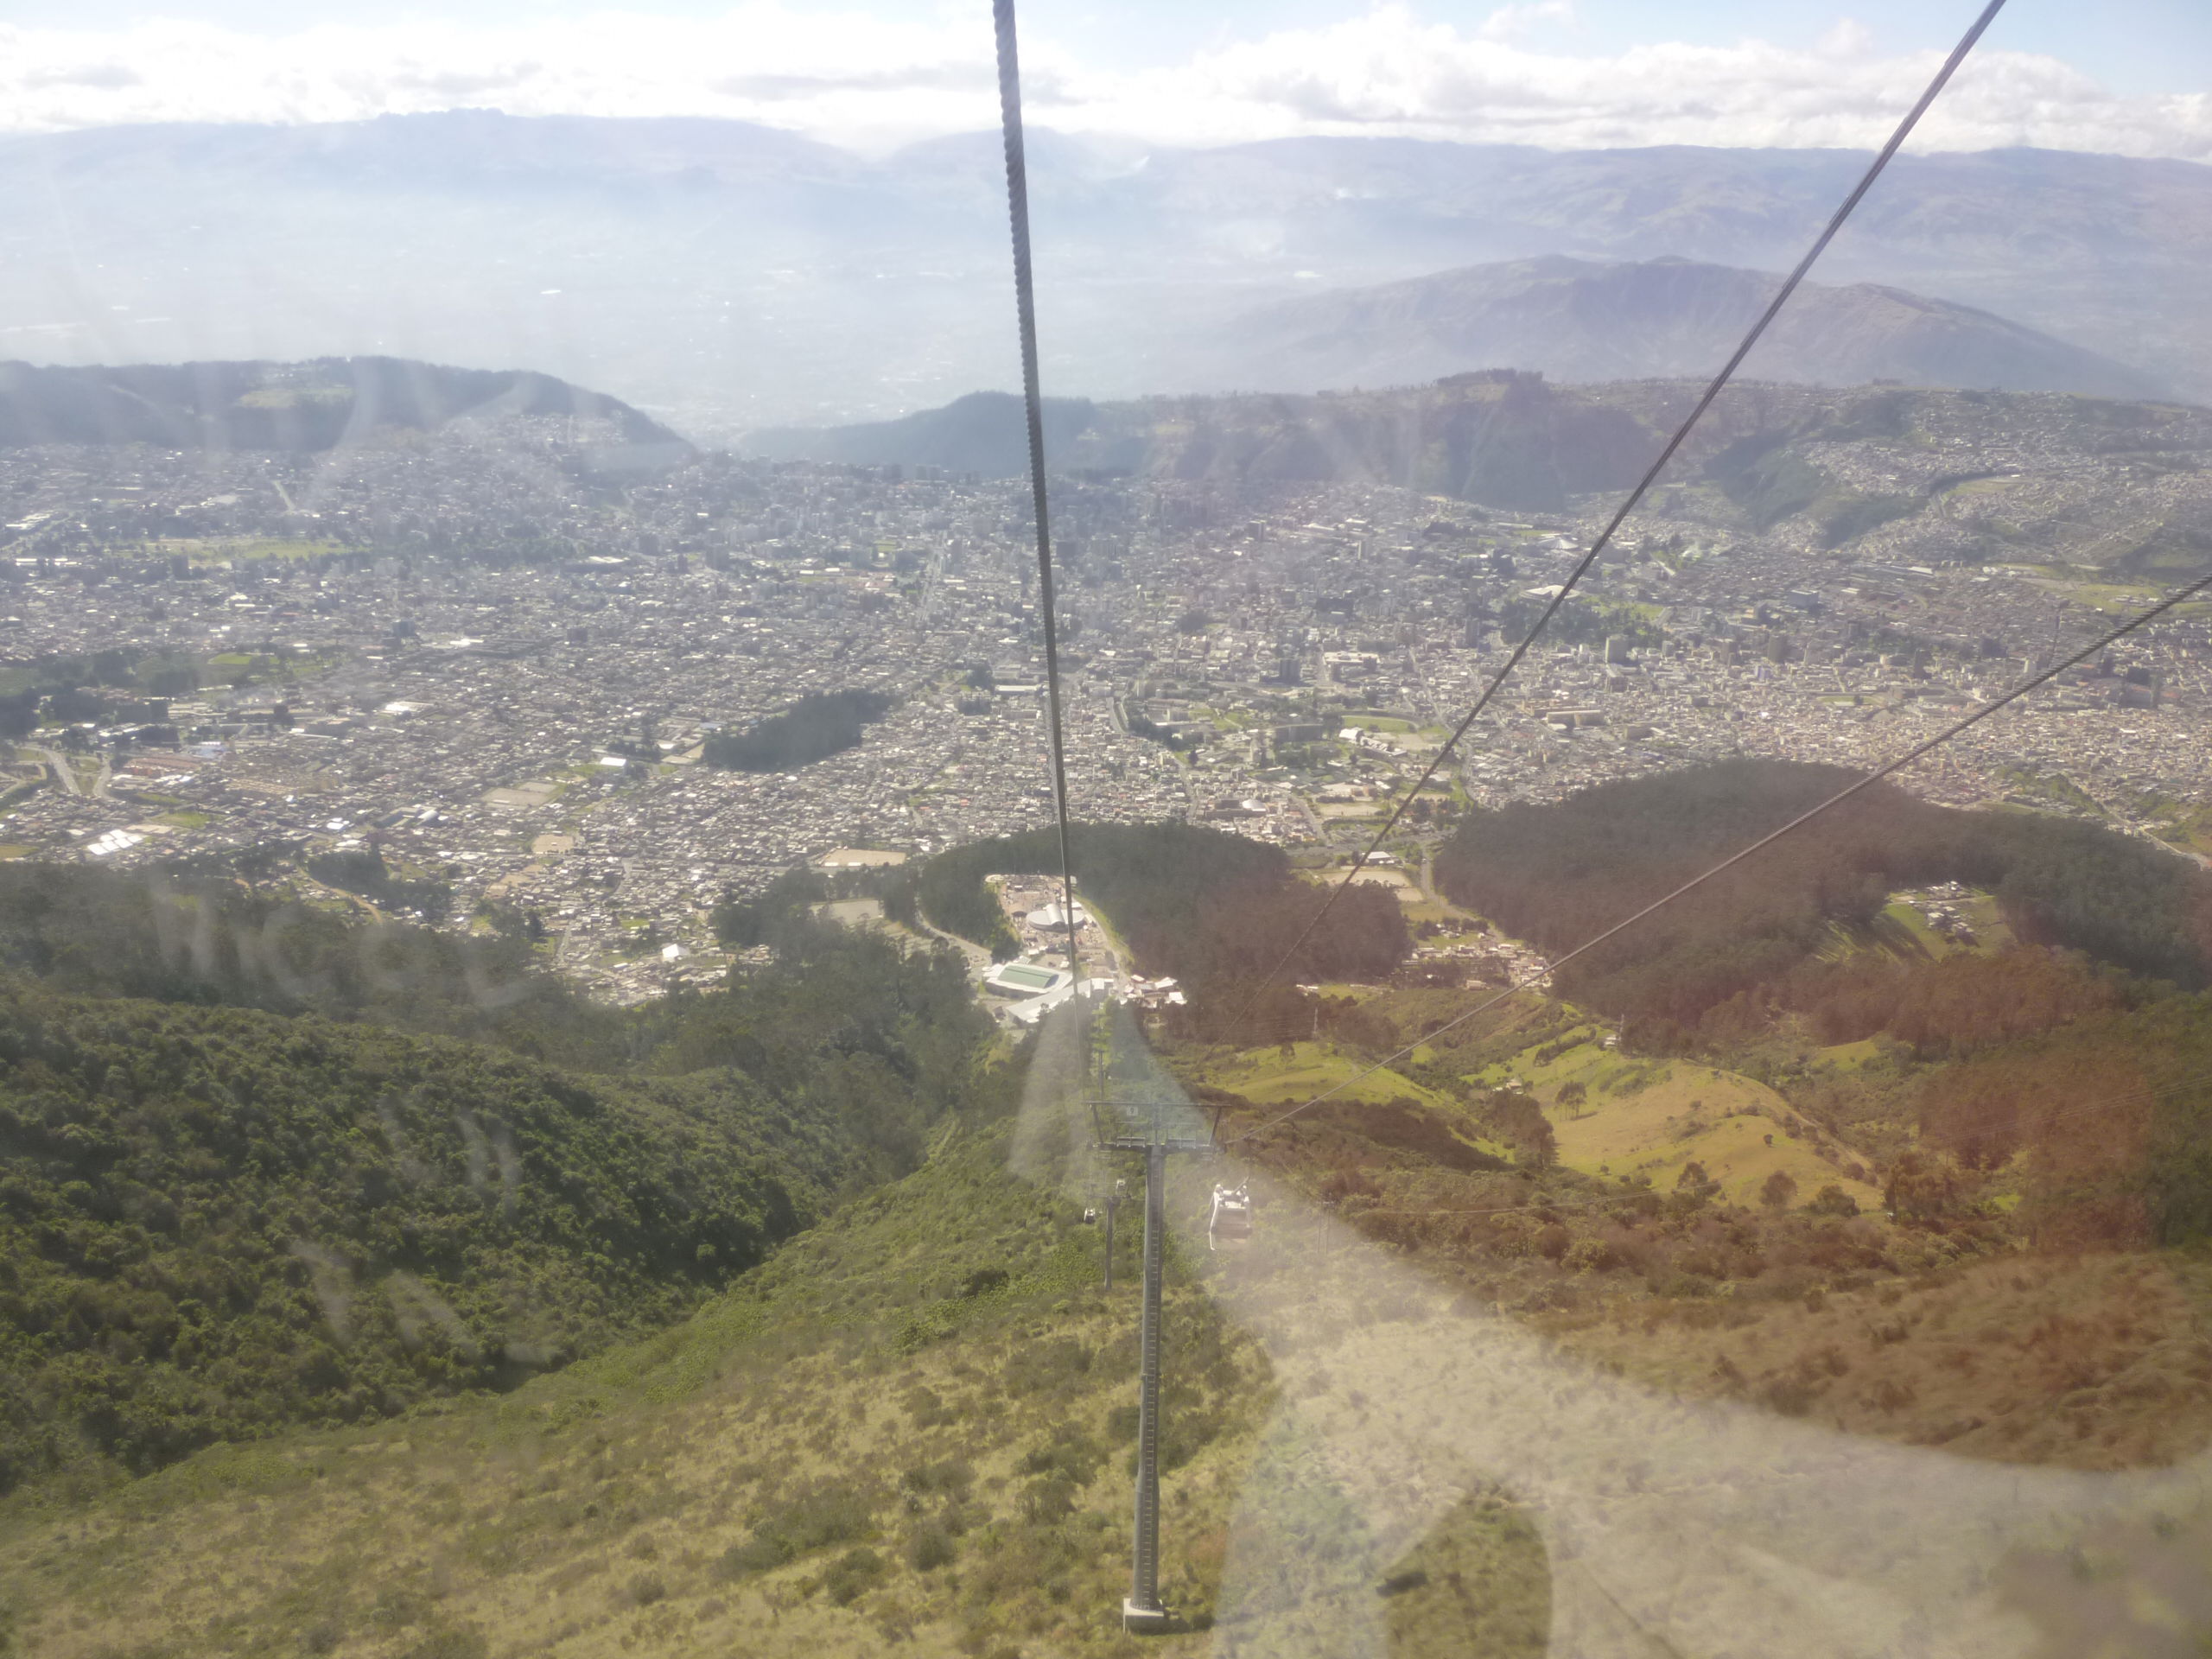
[290,406]
[216,1221]
[207,936]
[259,1201]
[1561,873]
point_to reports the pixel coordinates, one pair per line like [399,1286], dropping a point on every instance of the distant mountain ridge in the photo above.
[2121,486]
[984,432]
[1580,319]
[726,277]
[319,404]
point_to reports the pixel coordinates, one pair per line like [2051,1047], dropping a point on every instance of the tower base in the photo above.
[1146,1621]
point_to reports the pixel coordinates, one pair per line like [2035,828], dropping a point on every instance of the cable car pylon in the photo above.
[1121,1126]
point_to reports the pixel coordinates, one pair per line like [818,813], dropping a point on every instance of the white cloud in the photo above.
[1510,23]
[851,77]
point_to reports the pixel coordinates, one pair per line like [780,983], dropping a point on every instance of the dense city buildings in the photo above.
[498,670]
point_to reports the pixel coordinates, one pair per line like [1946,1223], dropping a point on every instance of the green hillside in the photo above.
[214,1222]
[218,1220]
[908,1432]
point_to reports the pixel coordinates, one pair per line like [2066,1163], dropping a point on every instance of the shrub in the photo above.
[1890,1395]
[1047,1502]
[983,1282]
[930,1547]
[1588,1256]
[855,1572]
[816,1519]
[1075,1457]
[1777,1190]
[1833,1200]
[948,1478]
[1694,1183]
[1790,1394]
[647,1588]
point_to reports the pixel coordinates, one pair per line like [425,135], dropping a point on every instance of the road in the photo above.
[62,770]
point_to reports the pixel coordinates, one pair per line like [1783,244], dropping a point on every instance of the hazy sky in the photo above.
[2131,76]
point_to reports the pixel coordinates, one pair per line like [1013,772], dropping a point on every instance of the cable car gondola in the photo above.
[1231,1220]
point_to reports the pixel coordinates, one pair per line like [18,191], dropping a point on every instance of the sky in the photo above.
[2129,77]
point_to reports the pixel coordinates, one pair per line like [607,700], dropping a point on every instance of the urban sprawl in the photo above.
[500,670]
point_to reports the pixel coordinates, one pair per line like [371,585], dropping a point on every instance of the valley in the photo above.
[625,983]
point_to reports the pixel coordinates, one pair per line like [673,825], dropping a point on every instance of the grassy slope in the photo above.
[1652,1119]
[1264,1075]
[947,1474]
[2094,1361]
[600,1508]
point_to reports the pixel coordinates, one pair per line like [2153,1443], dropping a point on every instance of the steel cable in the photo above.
[1025,301]
[2179,597]
[1682,433]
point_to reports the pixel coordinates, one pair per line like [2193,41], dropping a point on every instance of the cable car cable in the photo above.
[1652,473]
[2179,596]
[1025,302]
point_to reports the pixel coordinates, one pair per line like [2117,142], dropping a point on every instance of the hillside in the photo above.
[220,1223]
[323,404]
[1915,476]
[908,1432]
[1578,320]
[264,1199]
[1500,438]
[1197,904]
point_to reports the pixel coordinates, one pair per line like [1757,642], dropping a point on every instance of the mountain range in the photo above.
[1583,320]
[320,405]
[726,277]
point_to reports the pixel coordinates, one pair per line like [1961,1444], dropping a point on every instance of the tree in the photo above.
[1777,1190]
[1833,1200]
[1922,1188]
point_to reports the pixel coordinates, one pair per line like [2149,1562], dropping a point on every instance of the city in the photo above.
[497,670]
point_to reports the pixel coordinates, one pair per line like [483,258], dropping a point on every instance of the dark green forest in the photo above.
[1212,909]
[248,1178]
[364,872]
[204,936]
[1561,873]
[811,729]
